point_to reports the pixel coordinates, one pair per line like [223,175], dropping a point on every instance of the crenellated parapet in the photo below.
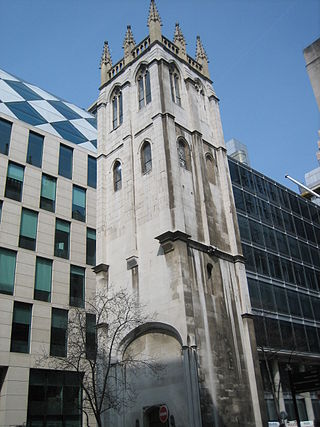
[133,50]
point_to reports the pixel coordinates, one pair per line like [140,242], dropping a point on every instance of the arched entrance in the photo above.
[161,345]
[152,418]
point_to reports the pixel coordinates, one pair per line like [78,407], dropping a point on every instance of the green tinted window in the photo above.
[20,332]
[59,326]
[91,247]
[14,181]
[79,203]
[62,238]
[7,270]
[77,279]
[5,134]
[43,277]
[28,229]
[48,193]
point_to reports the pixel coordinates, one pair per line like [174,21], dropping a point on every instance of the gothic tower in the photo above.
[167,230]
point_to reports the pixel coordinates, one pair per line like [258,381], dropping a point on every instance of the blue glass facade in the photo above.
[280,236]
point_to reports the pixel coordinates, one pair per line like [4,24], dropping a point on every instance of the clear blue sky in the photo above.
[254,47]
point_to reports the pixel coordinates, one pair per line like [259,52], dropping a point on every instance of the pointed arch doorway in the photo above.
[152,418]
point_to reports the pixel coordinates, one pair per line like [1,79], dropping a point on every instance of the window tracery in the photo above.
[183,154]
[144,87]
[175,85]
[117,108]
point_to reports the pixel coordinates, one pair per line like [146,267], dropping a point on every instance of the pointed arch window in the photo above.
[117,108]
[183,154]
[210,165]
[146,158]
[117,176]
[175,86]
[144,87]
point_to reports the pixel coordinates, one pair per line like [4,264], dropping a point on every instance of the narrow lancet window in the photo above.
[146,158]
[117,176]
[210,165]
[175,86]
[144,87]
[183,154]
[117,108]
[141,93]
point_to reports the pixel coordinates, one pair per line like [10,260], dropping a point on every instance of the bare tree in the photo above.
[94,337]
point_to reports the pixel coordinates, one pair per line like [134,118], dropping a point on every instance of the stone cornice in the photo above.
[166,241]
[247,316]
[171,116]
[101,268]
[214,97]
[188,131]
[222,149]
[166,114]
[111,152]
[143,129]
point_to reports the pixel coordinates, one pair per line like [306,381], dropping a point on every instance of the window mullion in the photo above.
[172,88]
[118,110]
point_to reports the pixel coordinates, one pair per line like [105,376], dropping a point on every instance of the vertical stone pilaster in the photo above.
[192,385]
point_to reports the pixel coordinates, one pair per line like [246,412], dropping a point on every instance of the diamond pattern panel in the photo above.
[41,109]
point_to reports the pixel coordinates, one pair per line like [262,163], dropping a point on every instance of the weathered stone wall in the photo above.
[161,230]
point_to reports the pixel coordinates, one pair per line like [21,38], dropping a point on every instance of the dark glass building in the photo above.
[280,235]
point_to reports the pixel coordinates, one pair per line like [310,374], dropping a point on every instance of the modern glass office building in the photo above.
[47,248]
[280,235]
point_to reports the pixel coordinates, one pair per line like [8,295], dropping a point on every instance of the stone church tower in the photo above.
[167,230]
